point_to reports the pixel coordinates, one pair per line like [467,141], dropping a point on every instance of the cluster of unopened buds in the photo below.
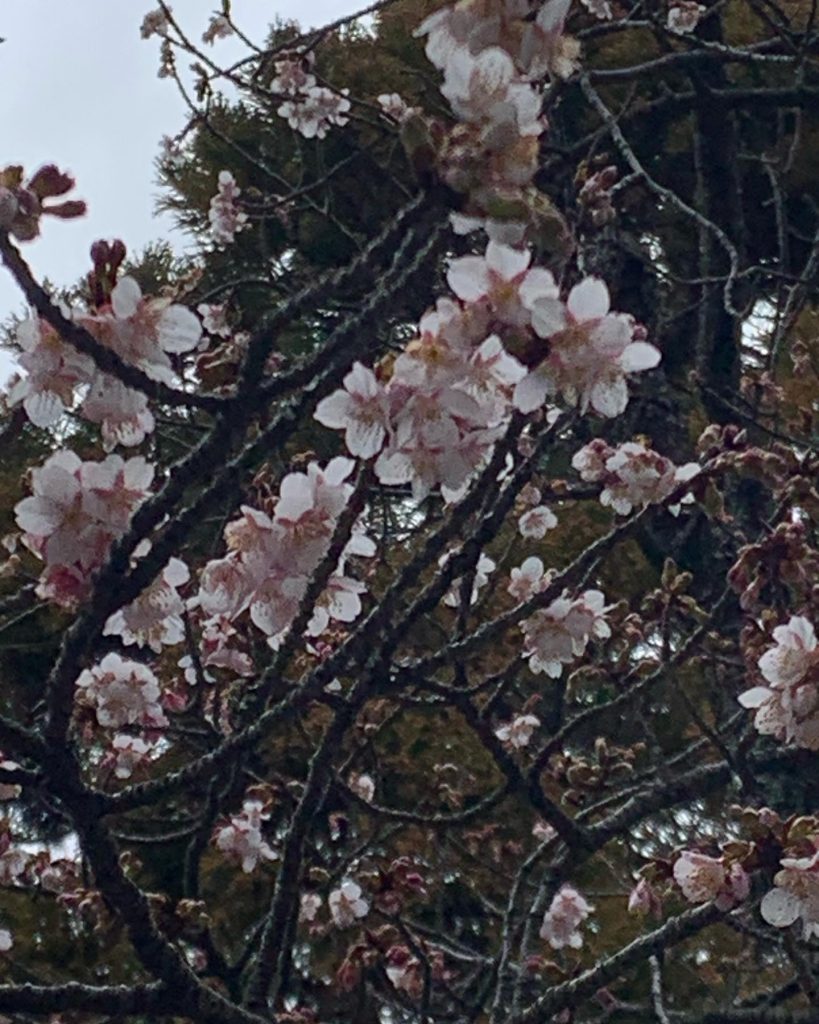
[23,203]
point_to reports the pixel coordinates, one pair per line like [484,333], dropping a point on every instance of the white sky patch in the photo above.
[79,88]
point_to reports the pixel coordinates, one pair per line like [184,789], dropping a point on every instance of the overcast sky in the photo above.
[78,87]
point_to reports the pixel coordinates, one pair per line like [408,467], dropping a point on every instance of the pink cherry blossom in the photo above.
[218,28]
[632,474]
[518,732]
[127,754]
[591,352]
[292,75]
[643,899]
[561,924]
[796,894]
[122,693]
[316,111]
[360,410]
[684,16]
[54,371]
[226,219]
[154,619]
[788,707]
[347,904]
[75,512]
[702,878]
[527,579]
[362,785]
[555,636]
[309,906]
[154,23]
[535,523]
[241,838]
[214,318]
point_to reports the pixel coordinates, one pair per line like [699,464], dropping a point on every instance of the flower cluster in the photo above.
[561,923]
[309,108]
[492,57]
[796,893]
[788,707]
[272,557]
[631,474]
[554,636]
[702,878]
[121,693]
[219,27]
[77,509]
[226,219]
[144,332]
[241,838]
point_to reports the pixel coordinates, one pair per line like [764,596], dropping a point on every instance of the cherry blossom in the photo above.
[527,579]
[155,23]
[241,838]
[394,105]
[347,904]
[292,75]
[144,331]
[561,924]
[122,693]
[788,707]
[535,523]
[53,372]
[632,474]
[22,203]
[126,754]
[316,111]
[555,636]
[518,732]
[309,906]
[214,318]
[75,512]
[702,878]
[684,16]
[796,894]
[271,558]
[591,351]
[154,619]
[644,899]
[226,219]
[362,785]
[360,410]
[218,28]
[122,412]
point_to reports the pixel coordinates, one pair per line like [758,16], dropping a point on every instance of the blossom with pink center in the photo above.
[214,318]
[632,474]
[225,216]
[503,280]
[702,878]
[127,754]
[121,412]
[54,370]
[315,111]
[561,924]
[154,619]
[347,904]
[144,331]
[241,838]
[77,509]
[293,75]
[527,580]
[486,89]
[796,894]
[591,352]
[555,636]
[518,732]
[537,522]
[122,693]
[788,707]
[360,410]
[684,16]
[394,105]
